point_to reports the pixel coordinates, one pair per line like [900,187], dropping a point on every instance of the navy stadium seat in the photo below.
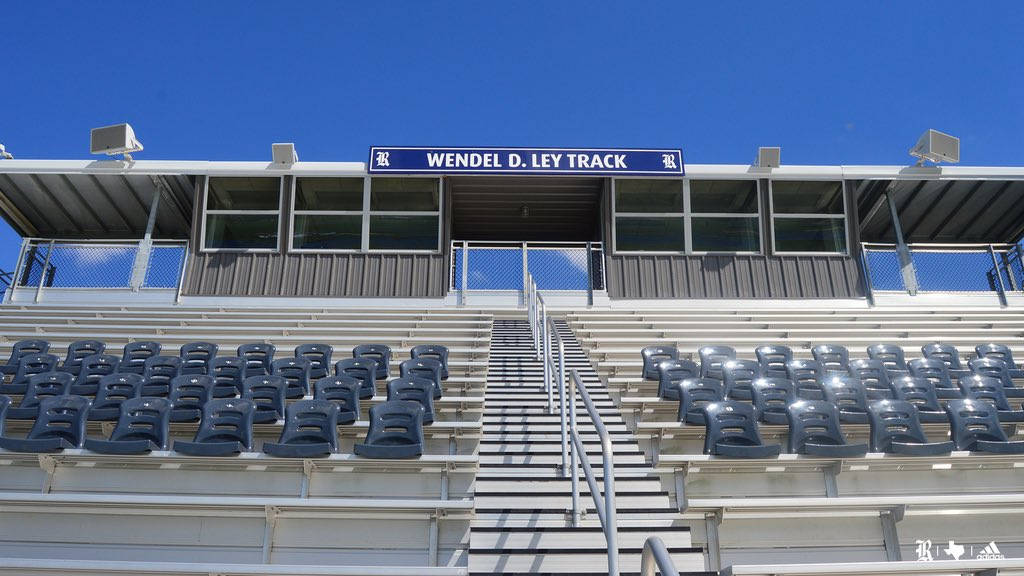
[974,425]
[414,389]
[712,358]
[362,369]
[225,430]
[694,394]
[134,355]
[671,373]
[296,372]
[773,359]
[832,357]
[382,354]
[319,356]
[78,351]
[310,431]
[142,426]
[949,356]
[93,369]
[655,355]
[59,425]
[807,376]
[157,373]
[891,356]
[435,351]
[396,431]
[771,396]
[23,348]
[996,368]
[258,357]
[342,390]
[1000,352]
[189,393]
[874,375]
[990,390]
[737,376]
[732,431]
[814,430]
[196,356]
[269,395]
[112,391]
[920,392]
[28,366]
[228,373]
[849,396]
[936,371]
[40,386]
[895,429]
[424,368]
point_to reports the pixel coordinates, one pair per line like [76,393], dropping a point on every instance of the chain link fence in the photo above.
[554,266]
[946,268]
[59,264]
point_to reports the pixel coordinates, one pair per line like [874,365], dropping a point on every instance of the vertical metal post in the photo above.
[146,244]
[999,277]
[712,520]
[869,290]
[890,537]
[42,275]
[465,266]
[525,268]
[1009,271]
[16,277]
[590,276]
[560,380]
[575,454]
[906,262]
[181,277]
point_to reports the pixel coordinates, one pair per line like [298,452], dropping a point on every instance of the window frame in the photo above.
[293,213]
[206,212]
[772,215]
[690,214]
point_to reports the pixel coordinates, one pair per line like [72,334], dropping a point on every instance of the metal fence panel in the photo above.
[558,268]
[106,264]
[164,267]
[495,269]
[885,271]
[960,271]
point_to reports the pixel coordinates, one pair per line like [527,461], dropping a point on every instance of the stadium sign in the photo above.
[594,161]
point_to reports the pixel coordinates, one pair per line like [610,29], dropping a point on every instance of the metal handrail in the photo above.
[655,554]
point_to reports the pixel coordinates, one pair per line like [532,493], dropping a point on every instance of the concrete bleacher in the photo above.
[167,513]
[777,515]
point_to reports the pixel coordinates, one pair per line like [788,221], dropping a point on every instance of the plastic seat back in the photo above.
[712,358]
[934,370]
[894,421]
[196,357]
[310,430]
[319,356]
[362,369]
[78,351]
[296,372]
[671,373]
[189,393]
[985,388]
[396,431]
[890,355]
[414,389]
[342,390]
[157,373]
[921,393]
[771,396]
[24,348]
[41,386]
[29,366]
[773,359]
[737,375]
[227,373]
[134,355]
[111,392]
[424,368]
[997,351]
[808,376]
[832,357]
[258,357]
[268,394]
[973,421]
[992,367]
[226,420]
[93,369]
[814,429]
[694,395]
[874,375]
[435,351]
[60,424]
[848,395]
[732,431]
[380,353]
[655,355]
[144,419]
[947,353]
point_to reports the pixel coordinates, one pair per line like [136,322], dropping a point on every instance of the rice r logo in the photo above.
[383,159]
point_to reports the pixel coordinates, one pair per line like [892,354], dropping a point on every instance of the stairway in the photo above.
[522,523]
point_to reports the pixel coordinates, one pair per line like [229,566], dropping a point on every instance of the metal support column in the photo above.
[44,271]
[906,262]
[146,244]
[465,266]
[1000,287]
[890,537]
[712,520]
[525,271]
[590,276]
[16,276]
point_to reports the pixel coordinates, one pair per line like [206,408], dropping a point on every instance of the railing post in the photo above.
[999,277]
[560,379]
[574,436]
[590,276]
[548,376]
[181,277]
[868,288]
[42,275]
[465,266]
[526,272]
[17,271]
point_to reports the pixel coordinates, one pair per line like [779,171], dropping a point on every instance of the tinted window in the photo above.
[341,194]
[725,234]
[241,231]
[328,232]
[810,235]
[650,196]
[795,197]
[404,194]
[723,196]
[649,234]
[403,232]
[244,194]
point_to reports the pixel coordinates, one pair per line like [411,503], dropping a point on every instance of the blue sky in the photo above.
[830,82]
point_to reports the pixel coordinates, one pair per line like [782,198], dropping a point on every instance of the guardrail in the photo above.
[655,556]
[550,349]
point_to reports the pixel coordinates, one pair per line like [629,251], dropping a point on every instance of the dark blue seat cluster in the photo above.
[144,391]
[731,397]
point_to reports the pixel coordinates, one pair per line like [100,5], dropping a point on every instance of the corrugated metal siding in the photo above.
[672,276]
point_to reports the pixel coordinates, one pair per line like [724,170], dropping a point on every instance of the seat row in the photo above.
[226,428]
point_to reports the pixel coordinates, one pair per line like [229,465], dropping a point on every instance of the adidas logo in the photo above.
[990,552]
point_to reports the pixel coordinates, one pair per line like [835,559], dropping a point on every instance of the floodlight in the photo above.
[935,146]
[284,153]
[113,140]
[769,157]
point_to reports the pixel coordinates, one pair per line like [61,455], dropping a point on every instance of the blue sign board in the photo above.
[603,161]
